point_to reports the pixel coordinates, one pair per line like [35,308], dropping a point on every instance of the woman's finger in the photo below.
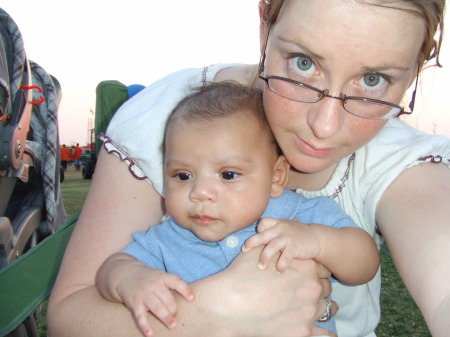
[327,309]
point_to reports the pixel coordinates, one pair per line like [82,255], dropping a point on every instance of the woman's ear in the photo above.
[280,176]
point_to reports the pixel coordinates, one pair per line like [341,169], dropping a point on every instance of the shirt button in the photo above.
[232,242]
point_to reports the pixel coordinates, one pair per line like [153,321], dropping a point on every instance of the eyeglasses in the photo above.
[359,106]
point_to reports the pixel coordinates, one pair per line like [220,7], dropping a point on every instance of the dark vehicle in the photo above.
[89,159]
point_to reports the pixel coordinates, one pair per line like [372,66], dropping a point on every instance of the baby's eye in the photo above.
[183,176]
[229,175]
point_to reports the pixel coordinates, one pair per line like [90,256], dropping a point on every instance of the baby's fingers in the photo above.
[264,235]
[284,261]
[268,253]
[180,286]
[143,322]
[157,306]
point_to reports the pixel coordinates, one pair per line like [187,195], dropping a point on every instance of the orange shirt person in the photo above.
[65,154]
[77,151]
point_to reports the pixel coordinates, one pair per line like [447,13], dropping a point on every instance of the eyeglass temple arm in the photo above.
[263,55]
[261,63]
[413,99]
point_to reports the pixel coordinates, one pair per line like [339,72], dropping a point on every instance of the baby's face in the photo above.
[218,175]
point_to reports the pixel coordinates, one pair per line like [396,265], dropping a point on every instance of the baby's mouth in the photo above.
[203,219]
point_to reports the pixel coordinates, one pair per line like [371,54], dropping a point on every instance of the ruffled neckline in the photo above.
[336,183]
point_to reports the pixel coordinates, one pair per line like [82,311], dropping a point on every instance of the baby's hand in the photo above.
[151,292]
[295,240]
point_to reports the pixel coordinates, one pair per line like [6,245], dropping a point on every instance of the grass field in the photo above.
[74,190]
[400,316]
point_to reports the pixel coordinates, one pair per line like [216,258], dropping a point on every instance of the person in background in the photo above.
[64,156]
[77,151]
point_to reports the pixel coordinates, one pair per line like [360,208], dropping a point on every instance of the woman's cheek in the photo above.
[363,130]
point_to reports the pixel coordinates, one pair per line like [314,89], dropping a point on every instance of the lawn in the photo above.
[74,190]
[400,316]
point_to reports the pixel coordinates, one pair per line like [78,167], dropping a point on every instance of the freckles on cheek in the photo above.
[278,109]
[366,129]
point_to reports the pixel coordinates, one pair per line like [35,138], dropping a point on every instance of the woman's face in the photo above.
[349,48]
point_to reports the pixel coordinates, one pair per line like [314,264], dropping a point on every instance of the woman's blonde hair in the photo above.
[431,11]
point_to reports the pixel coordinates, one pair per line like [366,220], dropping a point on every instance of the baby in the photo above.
[225,182]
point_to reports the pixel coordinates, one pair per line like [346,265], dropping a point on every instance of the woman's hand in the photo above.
[265,303]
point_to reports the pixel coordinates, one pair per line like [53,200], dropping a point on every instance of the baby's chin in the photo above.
[209,237]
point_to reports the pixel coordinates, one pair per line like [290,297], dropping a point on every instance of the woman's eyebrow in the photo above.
[306,50]
[386,68]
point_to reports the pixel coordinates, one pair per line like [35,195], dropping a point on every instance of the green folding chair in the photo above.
[26,282]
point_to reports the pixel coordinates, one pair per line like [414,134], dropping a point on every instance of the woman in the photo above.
[333,74]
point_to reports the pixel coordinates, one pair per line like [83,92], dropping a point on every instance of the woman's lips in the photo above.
[312,151]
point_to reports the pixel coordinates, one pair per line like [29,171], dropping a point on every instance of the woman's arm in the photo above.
[230,303]
[117,205]
[414,218]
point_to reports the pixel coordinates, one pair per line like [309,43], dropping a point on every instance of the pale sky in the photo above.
[138,41]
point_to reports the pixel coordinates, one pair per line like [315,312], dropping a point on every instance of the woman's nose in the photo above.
[326,117]
[203,190]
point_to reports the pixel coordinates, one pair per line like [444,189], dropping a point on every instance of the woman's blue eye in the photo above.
[229,175]
[372,80]
[304,63]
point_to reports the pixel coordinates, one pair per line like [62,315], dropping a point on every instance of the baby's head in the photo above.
[221,161]
[214,102]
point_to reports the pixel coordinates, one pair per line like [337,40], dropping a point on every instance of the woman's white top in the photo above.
[135,136]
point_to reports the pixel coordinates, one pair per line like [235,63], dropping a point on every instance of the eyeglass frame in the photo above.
[325,93]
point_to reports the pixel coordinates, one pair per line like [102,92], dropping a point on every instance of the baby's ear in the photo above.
[280,176]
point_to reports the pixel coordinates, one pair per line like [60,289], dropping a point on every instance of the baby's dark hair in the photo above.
[221,100]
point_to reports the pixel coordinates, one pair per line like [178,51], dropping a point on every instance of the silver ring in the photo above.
[327,315]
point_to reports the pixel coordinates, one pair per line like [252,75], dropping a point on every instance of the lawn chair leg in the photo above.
[31,327]
[27,329]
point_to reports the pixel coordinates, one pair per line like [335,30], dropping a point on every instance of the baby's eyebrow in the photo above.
[173,163]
